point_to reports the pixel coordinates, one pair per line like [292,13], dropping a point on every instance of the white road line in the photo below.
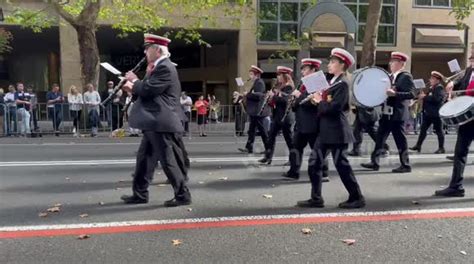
[193,160]
[235,218]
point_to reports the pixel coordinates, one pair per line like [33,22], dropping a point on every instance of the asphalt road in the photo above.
[88,175]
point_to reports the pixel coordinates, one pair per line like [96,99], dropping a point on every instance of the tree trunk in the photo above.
[89,54]
[371,31]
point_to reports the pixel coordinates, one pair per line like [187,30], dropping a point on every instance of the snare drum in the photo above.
[370,86]
[458,111]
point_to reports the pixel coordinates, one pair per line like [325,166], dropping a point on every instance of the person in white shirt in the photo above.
[10,115]
[23,105]
[92,101]
[74,98]
[128,101]
[186,104]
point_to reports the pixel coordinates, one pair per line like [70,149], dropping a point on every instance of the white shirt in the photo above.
[186,103]
[92,100]
[75,101]
[9,99]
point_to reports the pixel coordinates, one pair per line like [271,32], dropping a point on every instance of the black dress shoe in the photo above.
[371,166]
[311,203]
[440,151]
[450,158]
[325,179]
[244,150]
[287,164]
[174,203]
[291,176]
[450,192]
[416,148]
[265,161]
[402,169]
[354,153]
[132,199]
[360,203]
[384,153]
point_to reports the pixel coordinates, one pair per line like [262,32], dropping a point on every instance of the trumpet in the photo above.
[122,82]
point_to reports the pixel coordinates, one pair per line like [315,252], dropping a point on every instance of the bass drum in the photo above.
[458,111]
[369,86]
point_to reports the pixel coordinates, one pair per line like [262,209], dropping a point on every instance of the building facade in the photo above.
[423,29]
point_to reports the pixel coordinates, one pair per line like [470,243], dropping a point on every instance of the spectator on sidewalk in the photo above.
[3,108]
[75,101]
[214,108]
[22,100]
[108,107]
[9,99]
[201,106]
[92,101]
[117,113]
[54,100]
[33,108]
[186,104]
[132,131]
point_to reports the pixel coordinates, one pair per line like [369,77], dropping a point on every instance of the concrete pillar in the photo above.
[247,45]
[70,60]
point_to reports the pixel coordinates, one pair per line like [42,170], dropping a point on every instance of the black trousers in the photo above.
[168,148]
[239,121]
[186,122]
[437,126]
[300,141]
[358,131]
[275,129]
[463,142]
[343,167]
[117,116]
[397,128]
[256,122]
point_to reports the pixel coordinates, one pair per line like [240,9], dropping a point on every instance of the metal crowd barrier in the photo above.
[45,120]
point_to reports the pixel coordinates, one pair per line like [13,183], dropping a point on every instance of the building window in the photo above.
[388,19]
[433,3]
[279,19]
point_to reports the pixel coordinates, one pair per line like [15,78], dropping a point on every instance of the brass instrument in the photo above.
[455,76]
[267,97]
[289,104]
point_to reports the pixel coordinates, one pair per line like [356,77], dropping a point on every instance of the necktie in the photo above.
[150,68]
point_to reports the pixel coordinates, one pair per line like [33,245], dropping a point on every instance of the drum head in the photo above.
[370,86]
[457,106]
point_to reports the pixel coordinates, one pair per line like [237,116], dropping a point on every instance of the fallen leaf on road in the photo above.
[223,179]
[43,214]
[82,237]
[463,252]
[58,205]
[101,203]
[121,181]
[241,201]
[190,209]
[68,179]
[415,202]
[268,196]
[83,215]
[273,185]
[307,231]
[162,185]
[54,209]
[440,236]
[201,182]
[118,188]
[176,242]
[405,227]
[349,242]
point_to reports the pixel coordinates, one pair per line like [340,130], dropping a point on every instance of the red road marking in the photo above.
[230,223]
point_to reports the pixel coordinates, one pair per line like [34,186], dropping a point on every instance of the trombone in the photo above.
[455,76]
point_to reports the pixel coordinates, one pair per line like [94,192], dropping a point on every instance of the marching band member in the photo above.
[255,100]
[334,135]
[464,139]
[394,114]
[279,99]
[157,112]
[431,104]
[306,126]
